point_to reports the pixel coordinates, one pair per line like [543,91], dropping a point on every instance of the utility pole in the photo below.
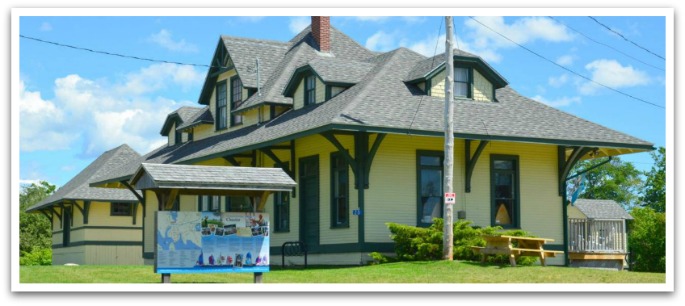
[449,198]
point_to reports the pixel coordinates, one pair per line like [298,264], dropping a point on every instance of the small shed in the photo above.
[597,234]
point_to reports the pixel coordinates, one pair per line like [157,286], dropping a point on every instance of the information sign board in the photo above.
[211,242]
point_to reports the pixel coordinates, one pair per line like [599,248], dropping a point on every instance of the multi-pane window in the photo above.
[461,82]
[504,187]
[209,203]
[120,209]
[310,90]
[282,208]
[221,106]
[282,211]
[239,204]
[236,99]
[429,167]
[340,189]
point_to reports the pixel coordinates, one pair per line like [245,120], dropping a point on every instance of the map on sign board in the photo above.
[211,242]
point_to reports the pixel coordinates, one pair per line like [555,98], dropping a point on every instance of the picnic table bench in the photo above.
[525,246]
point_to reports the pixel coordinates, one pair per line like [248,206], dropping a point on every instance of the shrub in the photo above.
[647,240]
[38,257]
[418,243]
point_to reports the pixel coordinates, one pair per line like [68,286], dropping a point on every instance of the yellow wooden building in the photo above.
[361,133]
[95,226]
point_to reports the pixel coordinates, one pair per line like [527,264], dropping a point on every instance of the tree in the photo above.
[647,240]
[616,180]
[34,229]
[654,191]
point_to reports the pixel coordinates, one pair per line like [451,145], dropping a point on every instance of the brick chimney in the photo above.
[321,30]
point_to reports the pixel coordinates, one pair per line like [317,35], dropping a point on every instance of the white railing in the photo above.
[587,235]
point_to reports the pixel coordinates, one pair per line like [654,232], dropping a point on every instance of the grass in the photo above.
[403,272]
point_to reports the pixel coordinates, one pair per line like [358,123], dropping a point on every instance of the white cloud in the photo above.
[612,74]
[297,24]
[372,18]
[485,42]
[103,114]
[560,102]
[45,27]
[565,60]
[382,41]
[164,39]
[39,122]
[558,81]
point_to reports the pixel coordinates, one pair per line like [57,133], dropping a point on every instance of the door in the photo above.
[309,201]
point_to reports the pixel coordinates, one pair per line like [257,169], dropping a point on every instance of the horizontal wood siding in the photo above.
[482,88]
[149,229]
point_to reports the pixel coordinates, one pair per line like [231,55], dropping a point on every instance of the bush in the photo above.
[647,240]
[418,243]
[38,257]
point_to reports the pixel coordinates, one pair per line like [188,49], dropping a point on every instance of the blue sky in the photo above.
[74,104]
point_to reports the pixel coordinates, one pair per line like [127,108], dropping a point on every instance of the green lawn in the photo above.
[405,272]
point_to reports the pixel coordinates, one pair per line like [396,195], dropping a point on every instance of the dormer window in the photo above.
[236,99]
[461,83]
[221,111]
[310,90]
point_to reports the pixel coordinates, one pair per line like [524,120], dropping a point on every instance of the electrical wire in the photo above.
[603,44]
[565,68]
[113,54]
[626,39]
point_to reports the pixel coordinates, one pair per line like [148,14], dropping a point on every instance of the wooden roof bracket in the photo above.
[565,165]
[472,160]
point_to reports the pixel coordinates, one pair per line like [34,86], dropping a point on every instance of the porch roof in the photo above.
[602,209]
[191,177]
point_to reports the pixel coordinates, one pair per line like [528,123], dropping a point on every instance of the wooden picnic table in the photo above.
[525,246]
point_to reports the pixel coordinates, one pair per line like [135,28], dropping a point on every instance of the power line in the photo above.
[111,53]
[567,69]
[437,42]
[626,39]
[603,44]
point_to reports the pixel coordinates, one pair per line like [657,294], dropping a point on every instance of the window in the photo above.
[340,190]
[239,204]
[236,99]
[177,137]
[190,135]
[282,211]
[310,90]
[282,207]
[120,209]
[221,110]
[461,82]
[504,181]
[429,186]
[208,203]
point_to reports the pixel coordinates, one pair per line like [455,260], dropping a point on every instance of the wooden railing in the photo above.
[587,235]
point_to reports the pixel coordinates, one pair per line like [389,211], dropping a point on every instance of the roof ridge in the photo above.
[256,40]
[363,91]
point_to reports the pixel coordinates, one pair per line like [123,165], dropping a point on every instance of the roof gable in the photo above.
[178,117]
[432,66]
[78,187]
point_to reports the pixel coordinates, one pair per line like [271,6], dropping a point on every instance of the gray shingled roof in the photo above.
[303,50]
[202,116]
[382,101]
[211,177]
[78,188]
[245,51]
[339,70]
[602,209]
[179,116]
